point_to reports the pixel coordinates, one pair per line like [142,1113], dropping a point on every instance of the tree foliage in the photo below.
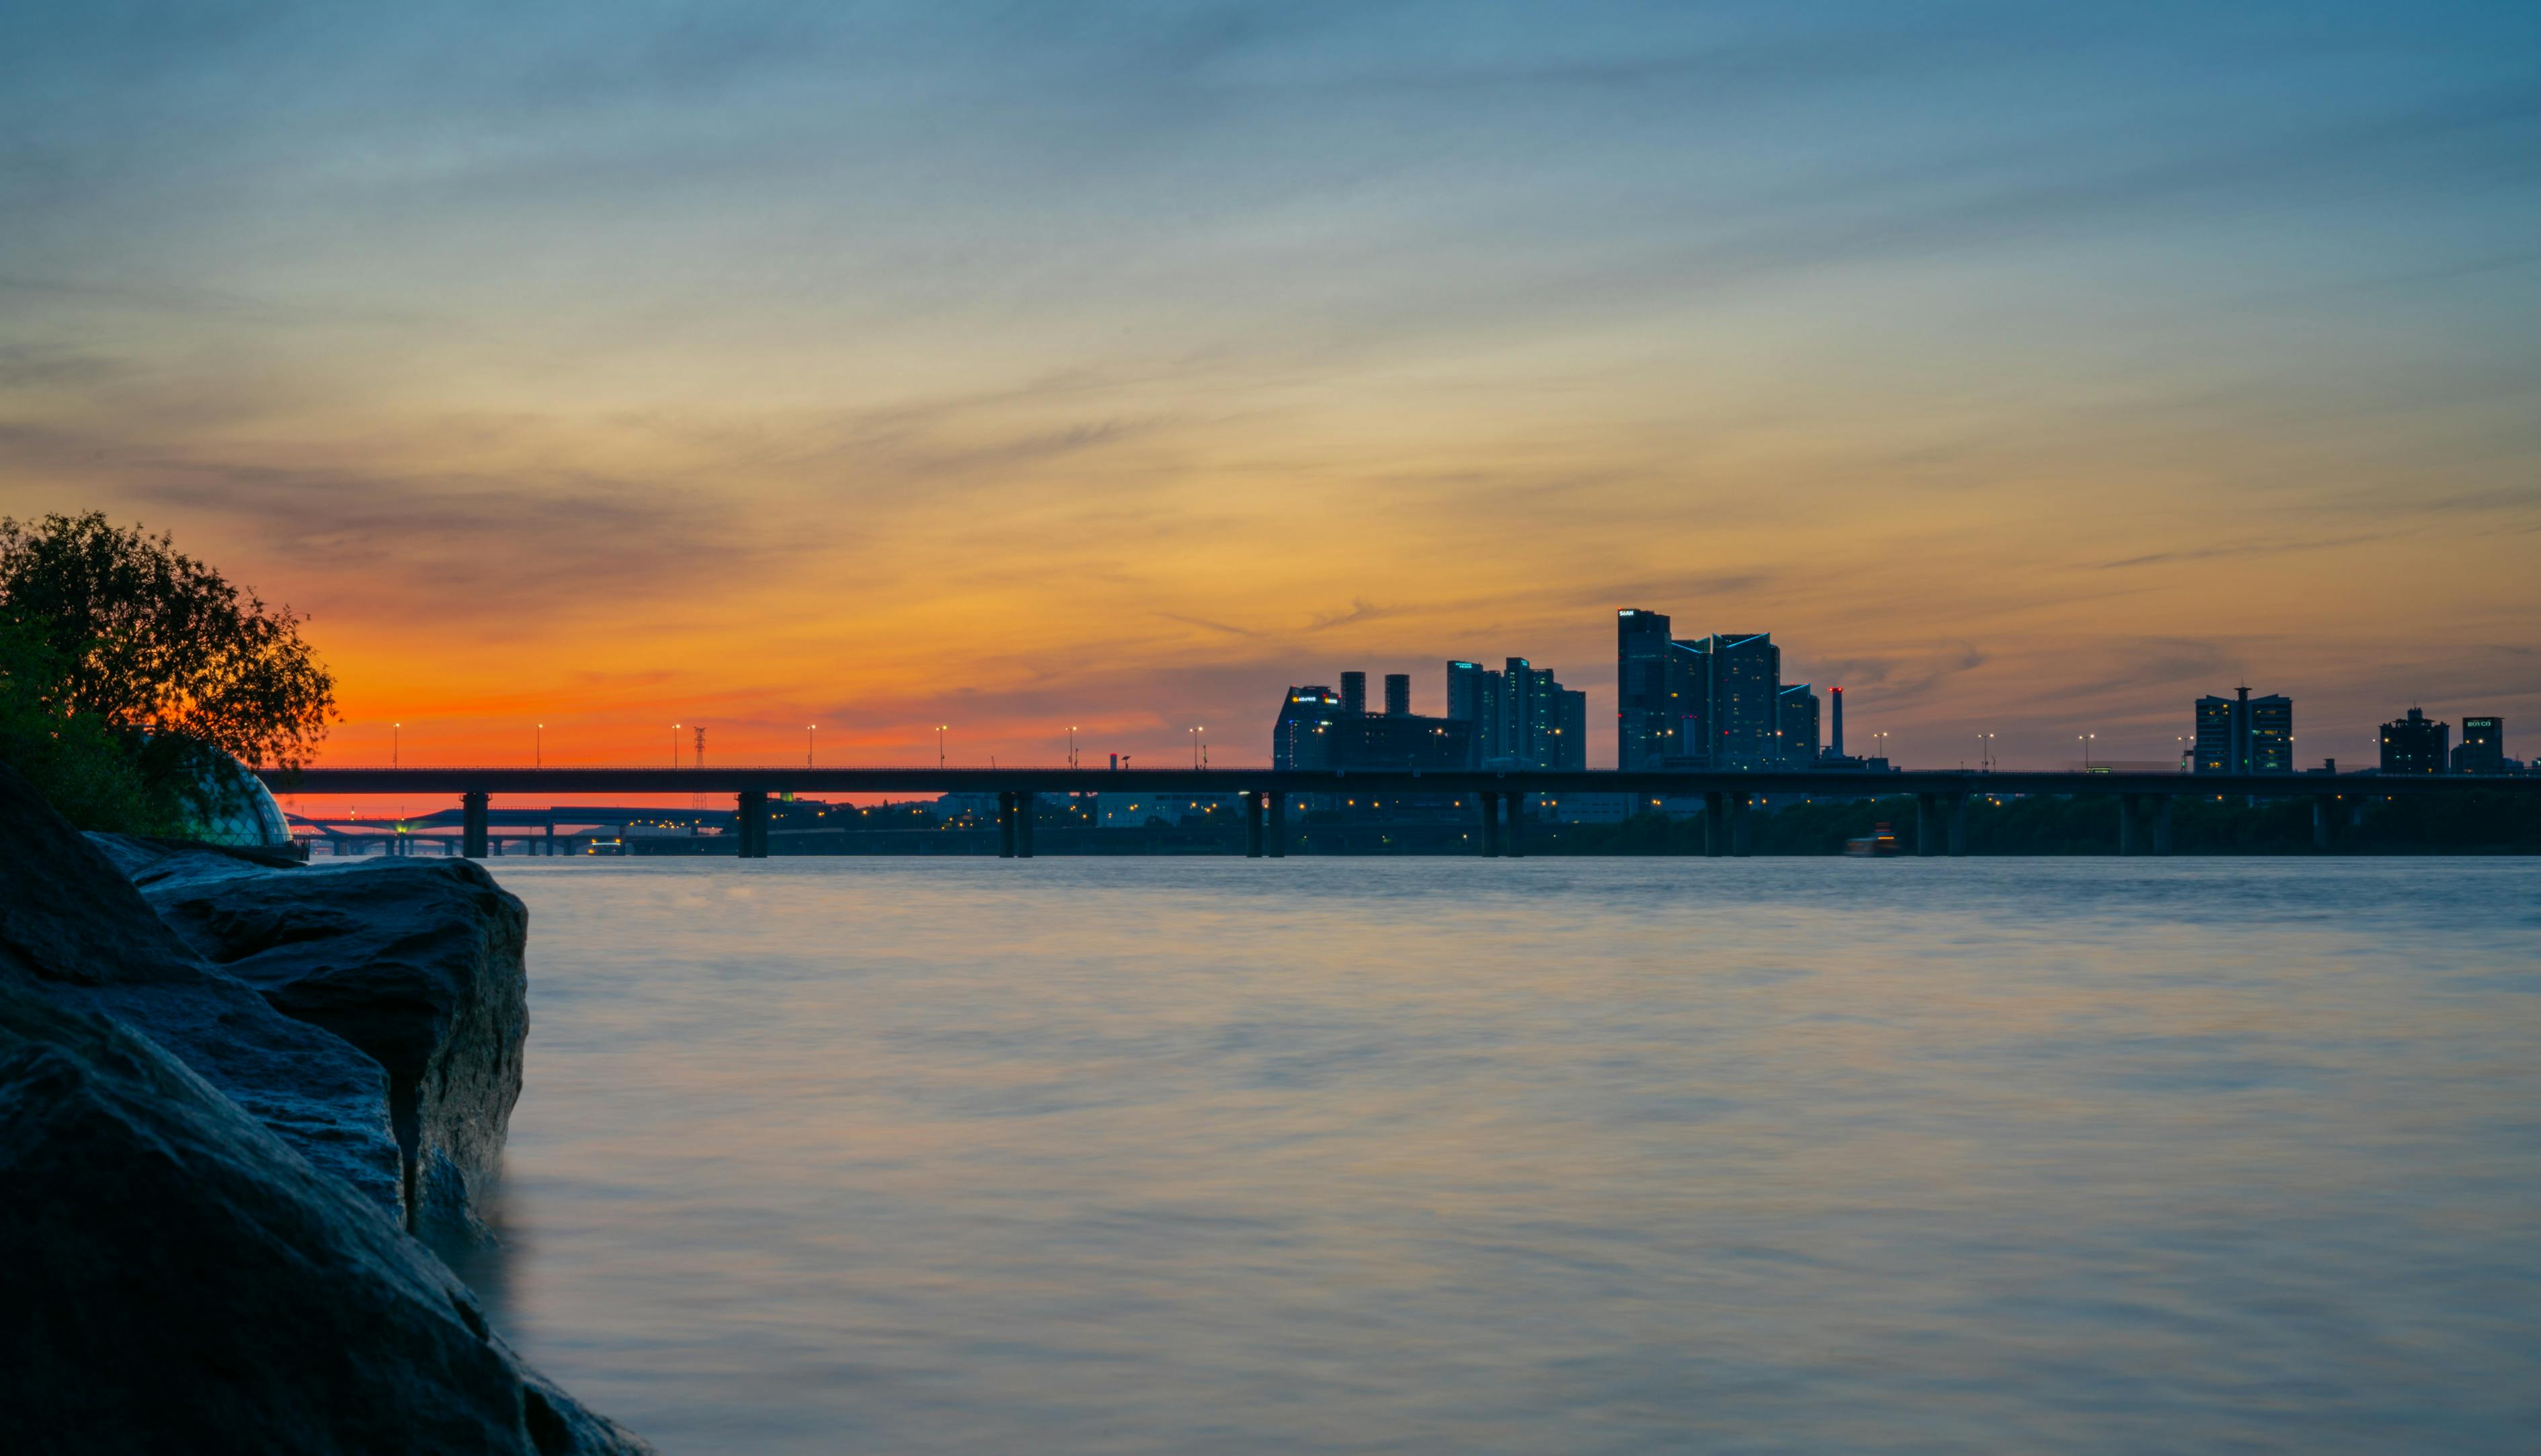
[92,777]
[145,639]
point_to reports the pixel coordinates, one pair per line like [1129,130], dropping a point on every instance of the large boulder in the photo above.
[177,1279]
[415,962]
[74,927]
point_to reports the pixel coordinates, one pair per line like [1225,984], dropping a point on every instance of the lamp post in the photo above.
[939,743]
[675,746]
[1071,745]
[1200,754]
[1984,752]
[397,731]
[539,747]
[2085,740]
[807,743]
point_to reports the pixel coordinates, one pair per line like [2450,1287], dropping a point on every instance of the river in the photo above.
[1546,1155]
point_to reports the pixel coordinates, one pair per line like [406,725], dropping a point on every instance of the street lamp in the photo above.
[539,747]
[1984,752]
[1199,754]
[397,731]
[675,746]
[807,743]
[2085,740]
[1071,745]
[939,742]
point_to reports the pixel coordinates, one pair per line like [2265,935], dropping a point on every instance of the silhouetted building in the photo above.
[2242,734]
[1397,695]
[2483,745]
[1474,699]
[1645,703]
[1742,715]
[1521,716]
[1571,751]
[1355,693]
[1316,731]
[1835,742]
[1799,720]
[2415,743]
[1301,738]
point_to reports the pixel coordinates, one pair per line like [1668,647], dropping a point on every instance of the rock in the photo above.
[415,962]
[178,1278]
[75,928]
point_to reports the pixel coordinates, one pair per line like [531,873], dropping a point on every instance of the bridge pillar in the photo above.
[1516,846]
[1025,805]
[1253,823]
[1490,824]
[1928,826]
[2322,807]
[2161,824]
[1958,826]
[2130,807]
[472,824]
[1005,824]
[1278,804]
[751,821]
[1715,824]
[1739,824]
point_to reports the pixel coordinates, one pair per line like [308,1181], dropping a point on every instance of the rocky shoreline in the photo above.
[235,1099]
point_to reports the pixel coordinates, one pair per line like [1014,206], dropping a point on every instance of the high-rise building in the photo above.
[1799,720]
[1354,694]
[1835,742]
[1742,720]
[1397,695]
[2483,745]
[1520,715]
[1644,702]
[1301,738]
[2242,734]
[1570,746]
[2415,743]
[1474,696]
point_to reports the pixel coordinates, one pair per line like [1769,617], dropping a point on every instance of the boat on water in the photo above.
[1879,843]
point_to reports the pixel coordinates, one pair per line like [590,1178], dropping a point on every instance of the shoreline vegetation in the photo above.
[134,677]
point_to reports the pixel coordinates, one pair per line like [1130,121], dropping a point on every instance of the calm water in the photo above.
[1534,1157]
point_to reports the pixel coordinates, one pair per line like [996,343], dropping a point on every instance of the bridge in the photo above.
[1942,797]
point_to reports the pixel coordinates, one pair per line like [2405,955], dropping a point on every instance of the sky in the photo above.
[2026,368]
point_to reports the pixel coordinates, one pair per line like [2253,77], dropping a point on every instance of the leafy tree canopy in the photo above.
[140,638]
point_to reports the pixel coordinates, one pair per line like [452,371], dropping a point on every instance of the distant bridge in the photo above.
[1940,797]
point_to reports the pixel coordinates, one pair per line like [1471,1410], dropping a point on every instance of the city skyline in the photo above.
[2030,373]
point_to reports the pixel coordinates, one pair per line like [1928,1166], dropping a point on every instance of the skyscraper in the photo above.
[1570,748]
[1645,706]
[1520,715]
[1355,693]
[1474,696]
[1799,720]
[2242,734]
[2415,743]
[1742,717]
[1397,695]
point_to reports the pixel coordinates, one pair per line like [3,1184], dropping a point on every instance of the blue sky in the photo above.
[2022,365]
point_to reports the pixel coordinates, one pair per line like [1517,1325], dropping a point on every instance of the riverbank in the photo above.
[234,1101]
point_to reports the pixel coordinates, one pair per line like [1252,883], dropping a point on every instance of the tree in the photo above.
[81,769]
[147,640]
